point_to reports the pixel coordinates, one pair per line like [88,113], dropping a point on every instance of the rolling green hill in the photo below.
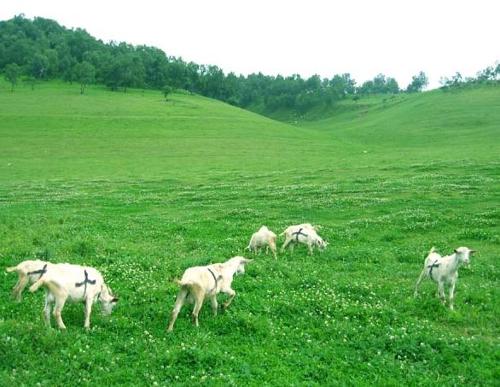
[142,189]
[54,133]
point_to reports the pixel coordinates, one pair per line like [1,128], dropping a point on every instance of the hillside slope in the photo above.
[54,132]
[428,127]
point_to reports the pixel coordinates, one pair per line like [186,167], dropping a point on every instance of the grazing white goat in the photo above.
[303,233]
[444,270]
[200,282]
[28,272]
[76,283]
[263,237]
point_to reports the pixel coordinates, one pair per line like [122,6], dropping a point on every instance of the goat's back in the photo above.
[67,275]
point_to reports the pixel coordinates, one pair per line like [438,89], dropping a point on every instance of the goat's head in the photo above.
[463,254]
[239,263]
[321,243]
[108,301]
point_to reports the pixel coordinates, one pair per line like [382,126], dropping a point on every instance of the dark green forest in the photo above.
[41,49]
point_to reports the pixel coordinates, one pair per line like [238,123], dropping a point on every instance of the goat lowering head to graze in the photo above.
[261,238]
[200,282]
[28,272]
[76,283]
[444,270]
[303,233]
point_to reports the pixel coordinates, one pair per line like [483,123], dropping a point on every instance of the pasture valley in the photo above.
[142,188]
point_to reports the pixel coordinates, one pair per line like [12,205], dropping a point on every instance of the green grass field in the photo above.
[142,189]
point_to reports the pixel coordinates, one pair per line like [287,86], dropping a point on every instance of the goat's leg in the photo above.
[420,278]
[46,309]
[310,248]
[231,294]
[181,297]
[285,244]
[273,249]
[215,305]
[452,294]
[19,287]
[198,302]
[88,311]
[60,301]
[441,292]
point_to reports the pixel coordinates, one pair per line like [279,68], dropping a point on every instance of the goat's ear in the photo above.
[455,251]
[115,300]
[472,251]
[246,260]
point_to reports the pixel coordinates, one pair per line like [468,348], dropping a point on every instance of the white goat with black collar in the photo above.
[28,272]
[75,283]
[444,270]
[303,233]
[200,282]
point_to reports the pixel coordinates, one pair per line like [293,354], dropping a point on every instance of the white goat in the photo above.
[76,283]
[202,282]
[28,272]
[303,233]
[444,270]
[263,237]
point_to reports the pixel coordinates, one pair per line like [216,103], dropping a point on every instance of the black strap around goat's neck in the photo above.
[432,266]
[85,282]
[297,233]
[42,271]
[215,278]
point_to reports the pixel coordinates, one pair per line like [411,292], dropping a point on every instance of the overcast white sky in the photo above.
[362,37]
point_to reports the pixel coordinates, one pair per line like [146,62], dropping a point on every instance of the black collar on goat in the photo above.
[41,271]
[215,278]
[85,282]
[297,233]
[432,266]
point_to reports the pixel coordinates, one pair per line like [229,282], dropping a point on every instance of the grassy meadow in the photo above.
[142,188]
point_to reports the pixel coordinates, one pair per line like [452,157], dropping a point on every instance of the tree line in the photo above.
[40,49]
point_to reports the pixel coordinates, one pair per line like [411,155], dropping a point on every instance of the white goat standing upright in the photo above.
[76,283]
[444,270]
[261,238]
[28,272]
[200,282]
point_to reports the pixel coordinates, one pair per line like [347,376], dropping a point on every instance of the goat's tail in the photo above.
[37,284]
[11,269]
[190,286]
[178,282]
[183,283]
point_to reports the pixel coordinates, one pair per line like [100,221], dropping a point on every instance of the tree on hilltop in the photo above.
[12,72]
[418,83]
[85,74]
[39,66]
[166,90]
